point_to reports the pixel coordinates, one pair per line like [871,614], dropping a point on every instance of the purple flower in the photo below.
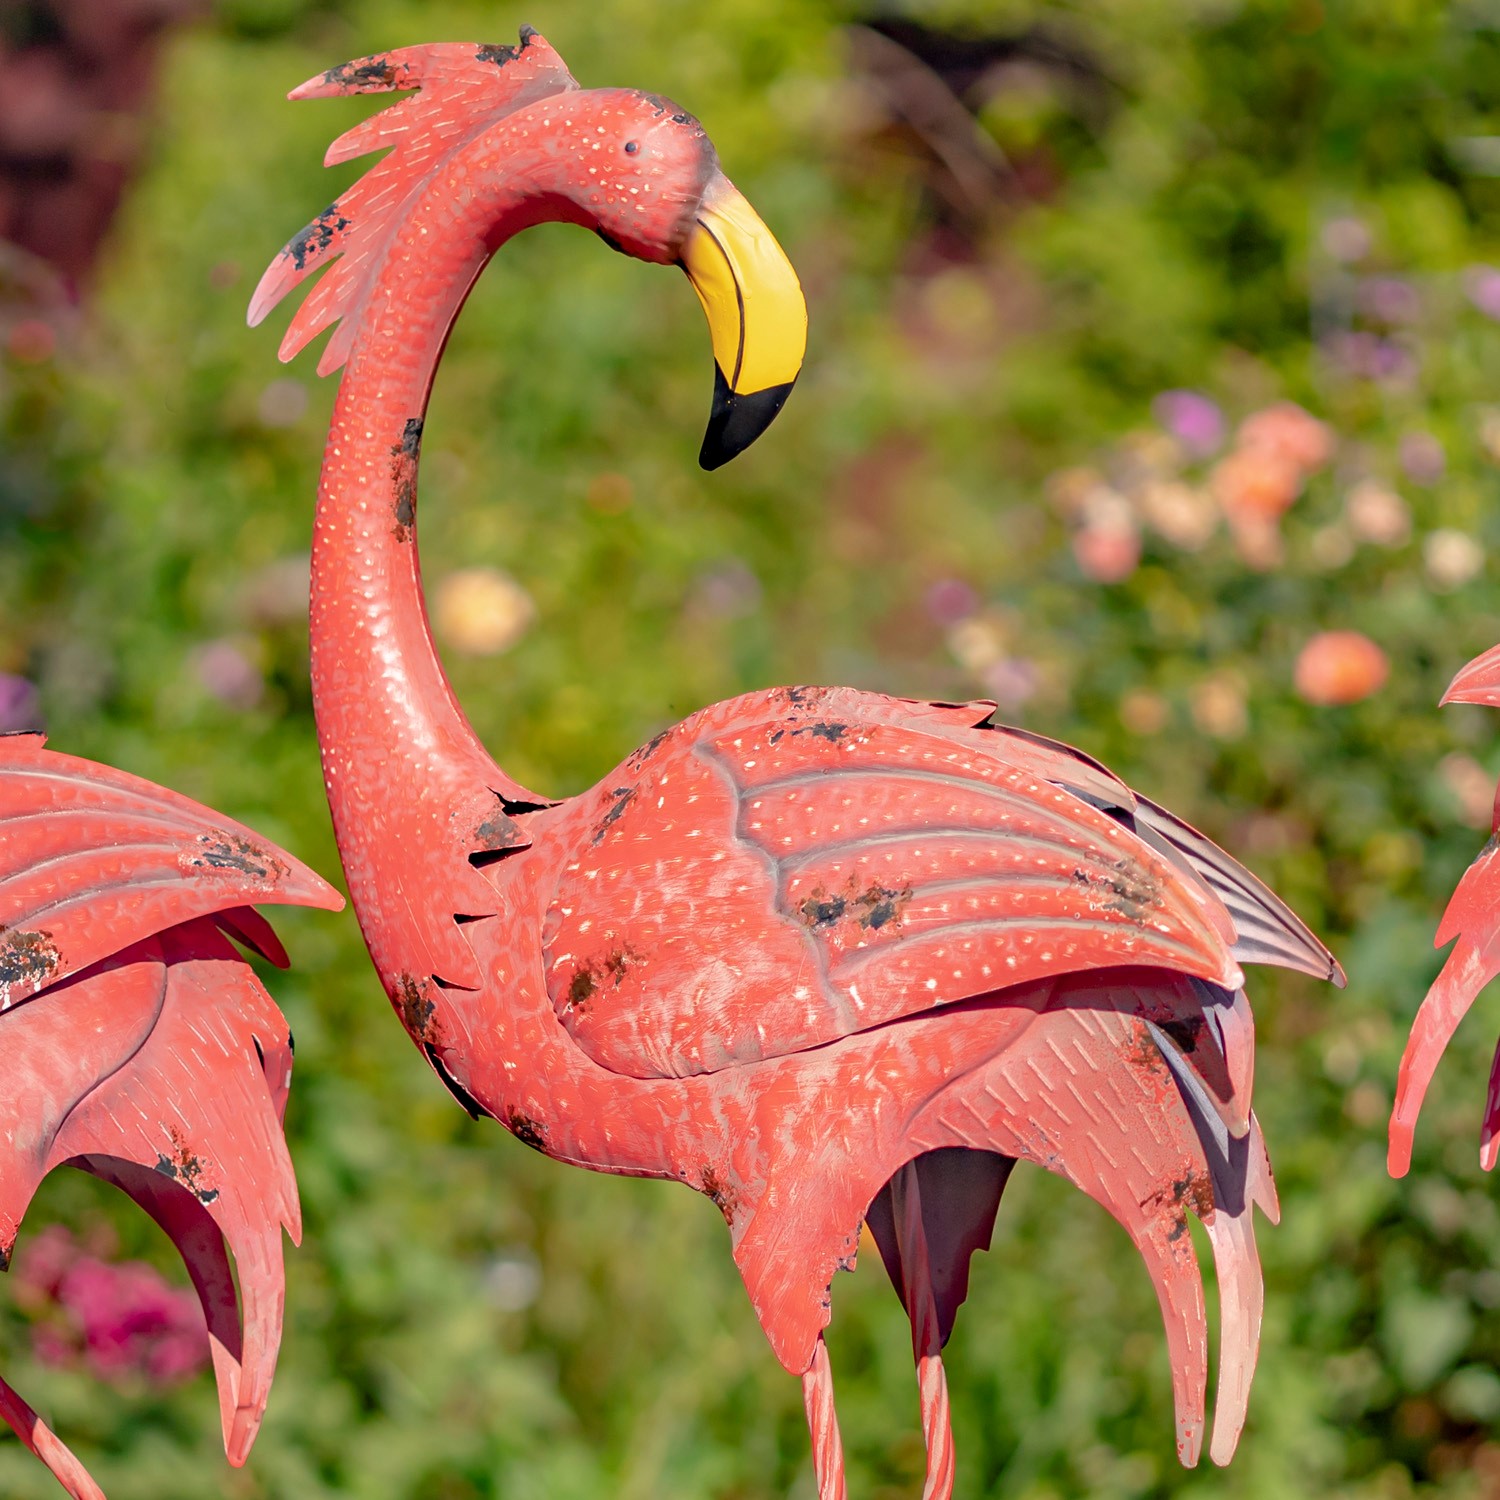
[20,707]
[1194,420]
[1346,239]
[1422,458]
[1482,283]
[1390,299]
[1370,357]
[950,600]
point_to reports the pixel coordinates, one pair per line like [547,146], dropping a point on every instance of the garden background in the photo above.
[1055,256]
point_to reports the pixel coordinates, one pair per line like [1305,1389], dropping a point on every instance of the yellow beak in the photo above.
[756,317]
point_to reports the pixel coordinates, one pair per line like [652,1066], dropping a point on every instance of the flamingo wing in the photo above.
[137,1044]
[769,876]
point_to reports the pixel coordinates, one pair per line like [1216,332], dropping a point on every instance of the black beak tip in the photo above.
[737,420]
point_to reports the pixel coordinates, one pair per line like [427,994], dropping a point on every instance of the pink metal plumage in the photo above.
[137,1044]
[821,955]
[1473,917]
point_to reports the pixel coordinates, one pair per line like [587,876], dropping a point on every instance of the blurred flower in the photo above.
[512,1280]
[1482,283]
[1377,514]
[282,403]
[1473,788]
[1144,712]
[1339,667]
[1390,299]
[1012,682]
[1069,489]
[950,600]
[481,611]
[1107,551]
[1256,482]
[1145,456]
[1193,419]
[229,670]
[1185,516]
[1346,239]
[277,593]
[121,1319]
[610,494]
[1489,432]
[1220,704]
[1290,433]
[976,645]
[1422,457]
[20,704]
[729,591]
[1451,557]
[32,341]
[1331,546]
[1371,357]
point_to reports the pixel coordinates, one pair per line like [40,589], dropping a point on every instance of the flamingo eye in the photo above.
[631,147]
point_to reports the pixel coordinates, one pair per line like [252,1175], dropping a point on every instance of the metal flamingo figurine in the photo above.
[823,955]
[1473,917]
[137,1043]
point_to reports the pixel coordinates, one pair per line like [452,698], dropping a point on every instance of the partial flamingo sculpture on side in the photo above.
[1473,917]
[137,1044]
[822,955]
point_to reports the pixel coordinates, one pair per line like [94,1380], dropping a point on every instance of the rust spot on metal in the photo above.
[872,908]
[500,55]
[404,459]
[526,1130]
[498,832]
[414,1007]
[316,237]
[822,910]
[824,730]
[640,757]
[233,851]
[1129,889]
[721,1192]
[5,1251]
[185,1166]
[592,977]
[26,958]
[378,72]
[622,796]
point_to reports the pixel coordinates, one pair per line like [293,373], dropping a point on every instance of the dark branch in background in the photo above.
[78,77]
[930,88]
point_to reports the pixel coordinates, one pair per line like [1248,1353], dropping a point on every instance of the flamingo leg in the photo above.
[926,1336]
[47,1446]
[823,1424]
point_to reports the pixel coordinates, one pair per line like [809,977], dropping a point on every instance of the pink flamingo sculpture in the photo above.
[137,1043]
[1473,917]
[822,955]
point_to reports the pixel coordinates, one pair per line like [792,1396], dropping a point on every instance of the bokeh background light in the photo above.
[1153,391]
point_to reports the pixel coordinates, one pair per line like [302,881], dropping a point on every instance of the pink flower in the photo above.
[120,1319]
[1191,418]
[1340,667]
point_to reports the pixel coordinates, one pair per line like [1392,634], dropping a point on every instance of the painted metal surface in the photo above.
[1473,918]
[136,1043]
[821,955]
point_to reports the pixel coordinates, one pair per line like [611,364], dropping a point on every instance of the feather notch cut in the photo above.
[462,88]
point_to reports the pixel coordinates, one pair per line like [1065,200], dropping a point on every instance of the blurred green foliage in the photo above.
[1210,196]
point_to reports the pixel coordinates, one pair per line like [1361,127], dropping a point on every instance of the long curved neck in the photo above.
[411,789]
[379,689]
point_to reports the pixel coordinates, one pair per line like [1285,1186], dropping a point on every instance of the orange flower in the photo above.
[1340,666]
[1290,433]
[1256,483]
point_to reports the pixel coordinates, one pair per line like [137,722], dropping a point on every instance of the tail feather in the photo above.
[462,88]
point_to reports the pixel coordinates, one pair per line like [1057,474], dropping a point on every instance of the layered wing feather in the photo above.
[137,1043]
[773,874]
[92,860]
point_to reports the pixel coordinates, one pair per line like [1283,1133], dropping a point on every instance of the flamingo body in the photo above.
[822,955]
